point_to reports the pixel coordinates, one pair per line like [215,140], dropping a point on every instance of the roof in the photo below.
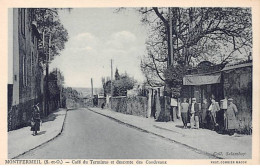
[237,66]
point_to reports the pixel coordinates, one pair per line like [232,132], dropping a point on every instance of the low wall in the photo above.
[20,115]
[119,104]
[136,105]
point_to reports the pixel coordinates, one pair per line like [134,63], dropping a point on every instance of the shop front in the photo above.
[204,86]
[222,82]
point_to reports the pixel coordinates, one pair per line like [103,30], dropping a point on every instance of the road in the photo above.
[88,135]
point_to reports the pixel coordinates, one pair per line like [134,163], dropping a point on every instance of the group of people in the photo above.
[205,116]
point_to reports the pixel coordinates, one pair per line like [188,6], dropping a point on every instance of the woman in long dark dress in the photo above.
[204,108]
[36,120]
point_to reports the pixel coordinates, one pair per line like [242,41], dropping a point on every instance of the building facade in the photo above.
[27,73]
[223,81]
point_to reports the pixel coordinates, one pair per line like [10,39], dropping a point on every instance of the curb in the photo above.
[161,136]
[62,127]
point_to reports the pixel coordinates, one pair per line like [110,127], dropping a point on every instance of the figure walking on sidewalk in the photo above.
[36,120]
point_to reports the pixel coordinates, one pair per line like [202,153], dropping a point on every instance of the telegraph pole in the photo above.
[111,81]
[92,94]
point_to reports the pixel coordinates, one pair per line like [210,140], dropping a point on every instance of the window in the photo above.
[24,71]
[22,21]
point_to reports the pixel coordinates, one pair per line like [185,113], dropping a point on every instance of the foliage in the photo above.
[117,76]
[173,79]
[121,84]
[107,87]
[56,81]
[214,34]
[48,22]
[70,93]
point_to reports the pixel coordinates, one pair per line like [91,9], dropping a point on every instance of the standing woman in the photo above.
[204,108]
[36,120]
[231,120]
[184,112]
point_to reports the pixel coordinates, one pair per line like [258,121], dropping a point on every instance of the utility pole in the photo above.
[111,81]
[92,95]
[92,88]
[170,38]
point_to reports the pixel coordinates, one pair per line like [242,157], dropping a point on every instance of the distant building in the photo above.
[27,74]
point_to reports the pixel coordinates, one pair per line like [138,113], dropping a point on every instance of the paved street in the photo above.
[88,135]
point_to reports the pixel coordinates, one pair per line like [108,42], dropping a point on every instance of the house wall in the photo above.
[238,85]
[25,70]
[28,57]
[16,65]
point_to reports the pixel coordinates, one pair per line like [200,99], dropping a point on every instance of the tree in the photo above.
[173,79]
[56,81]
[215,34]
[121,84]
[117,76]
[48,22]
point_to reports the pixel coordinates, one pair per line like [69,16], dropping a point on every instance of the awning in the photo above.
[201,79]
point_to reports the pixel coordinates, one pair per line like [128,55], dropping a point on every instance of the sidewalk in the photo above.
[22,140]
[202,140]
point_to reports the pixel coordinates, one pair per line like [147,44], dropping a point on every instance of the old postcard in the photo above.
[121,83]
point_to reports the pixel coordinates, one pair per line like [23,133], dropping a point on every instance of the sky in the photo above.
[97,35]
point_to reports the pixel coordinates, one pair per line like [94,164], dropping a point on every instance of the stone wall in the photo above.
[119,104]
[20,115]
[135,105]
[238,85]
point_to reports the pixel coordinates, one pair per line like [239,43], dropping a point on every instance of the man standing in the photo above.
[194,112]
[231,120]
[214,108]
